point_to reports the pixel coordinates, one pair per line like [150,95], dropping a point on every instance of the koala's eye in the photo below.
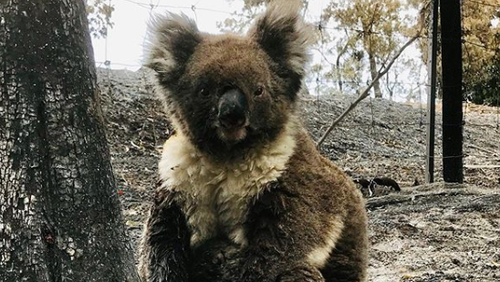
[203,91]
[259,91]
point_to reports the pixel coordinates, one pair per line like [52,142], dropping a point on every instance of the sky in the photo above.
[124,45]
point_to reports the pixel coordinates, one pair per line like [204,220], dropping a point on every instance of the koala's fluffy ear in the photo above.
[172,40]
[283,34]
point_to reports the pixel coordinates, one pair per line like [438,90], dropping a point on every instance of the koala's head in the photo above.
[228,92]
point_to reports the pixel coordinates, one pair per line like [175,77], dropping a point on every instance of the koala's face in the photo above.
[229,92]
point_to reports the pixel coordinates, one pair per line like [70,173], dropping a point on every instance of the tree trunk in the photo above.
[59,212]
[374,73]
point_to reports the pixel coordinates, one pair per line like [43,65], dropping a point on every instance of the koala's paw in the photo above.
[216,260]
[302,273]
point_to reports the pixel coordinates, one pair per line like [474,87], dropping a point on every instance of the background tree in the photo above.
[59,213]
[373,30]
[241,20]
[99,15]
[481,50]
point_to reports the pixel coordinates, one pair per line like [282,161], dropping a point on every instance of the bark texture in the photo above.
[59,213]
[374,73]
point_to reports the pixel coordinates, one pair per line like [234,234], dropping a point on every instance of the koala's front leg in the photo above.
[280,233]
[165,247]
[301,273]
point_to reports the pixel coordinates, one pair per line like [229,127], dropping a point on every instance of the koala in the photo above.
[243,194]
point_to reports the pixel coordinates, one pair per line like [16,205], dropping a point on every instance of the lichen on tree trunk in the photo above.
[59,214]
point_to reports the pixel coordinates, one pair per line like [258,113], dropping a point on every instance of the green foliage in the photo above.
[481,51]
[99,14]
[485,89]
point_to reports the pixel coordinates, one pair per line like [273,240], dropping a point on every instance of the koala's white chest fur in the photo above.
[215,198]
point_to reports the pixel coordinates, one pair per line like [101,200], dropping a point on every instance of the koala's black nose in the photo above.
[233,107]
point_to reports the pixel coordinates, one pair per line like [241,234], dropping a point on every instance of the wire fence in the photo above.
[381,137]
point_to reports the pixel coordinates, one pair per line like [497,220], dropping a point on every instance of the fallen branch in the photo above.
[483,150]
[414,195]
[365,92]
[481,166]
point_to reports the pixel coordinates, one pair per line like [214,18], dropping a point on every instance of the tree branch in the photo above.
[366,92]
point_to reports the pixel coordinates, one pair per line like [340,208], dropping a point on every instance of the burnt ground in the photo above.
[435,233]
[431,233]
